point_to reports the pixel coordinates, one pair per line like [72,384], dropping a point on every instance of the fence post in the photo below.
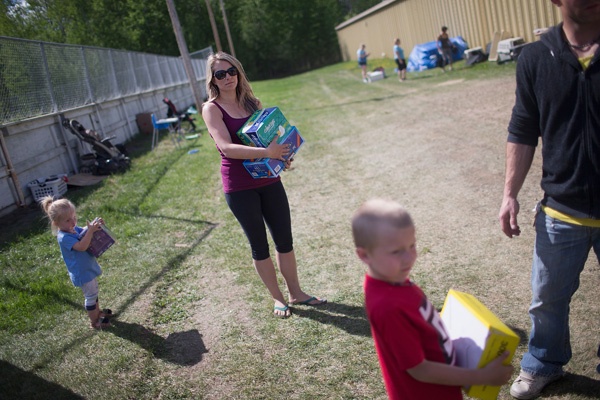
[11,170]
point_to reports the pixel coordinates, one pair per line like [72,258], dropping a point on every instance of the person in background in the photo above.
[416,354]
[361,55]
[444,46]
[557,99]
[400,60]
[172,112]
[254,202]
[83,267]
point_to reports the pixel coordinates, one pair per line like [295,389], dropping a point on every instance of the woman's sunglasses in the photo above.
[220,75]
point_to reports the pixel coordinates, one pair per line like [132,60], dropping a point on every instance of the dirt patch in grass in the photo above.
[440,152]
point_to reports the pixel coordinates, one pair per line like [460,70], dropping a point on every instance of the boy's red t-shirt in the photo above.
[407,329]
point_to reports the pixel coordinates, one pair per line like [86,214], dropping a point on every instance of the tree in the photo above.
[273,38]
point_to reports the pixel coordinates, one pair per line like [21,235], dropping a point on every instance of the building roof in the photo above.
[365,13]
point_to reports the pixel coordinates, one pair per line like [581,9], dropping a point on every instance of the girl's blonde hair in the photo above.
[56,210]
[244,94]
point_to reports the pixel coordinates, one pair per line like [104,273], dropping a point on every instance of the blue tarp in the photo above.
[425,56]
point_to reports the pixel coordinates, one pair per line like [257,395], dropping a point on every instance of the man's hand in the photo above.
[508,217]
[278,151]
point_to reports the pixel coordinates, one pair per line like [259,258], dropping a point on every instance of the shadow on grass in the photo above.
[573,384]
[523,335]
[52,295]
[184,348]
[171,264]
[17,383]
[352,319]
[21,224]
[181,348]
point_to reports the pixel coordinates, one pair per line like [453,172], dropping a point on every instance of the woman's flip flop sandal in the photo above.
[287,312]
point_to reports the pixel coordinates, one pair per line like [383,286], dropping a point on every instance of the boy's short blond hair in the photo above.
[369,217]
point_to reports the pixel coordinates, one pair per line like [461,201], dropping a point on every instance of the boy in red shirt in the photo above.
[415,352]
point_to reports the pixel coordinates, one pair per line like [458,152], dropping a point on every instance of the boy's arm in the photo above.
[494,374]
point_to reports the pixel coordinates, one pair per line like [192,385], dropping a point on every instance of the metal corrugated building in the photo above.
[419,21]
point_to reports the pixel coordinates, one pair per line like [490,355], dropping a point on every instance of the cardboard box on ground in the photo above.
[260,130]
[478,337]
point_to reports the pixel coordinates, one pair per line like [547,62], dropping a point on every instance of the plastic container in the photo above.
[54,186]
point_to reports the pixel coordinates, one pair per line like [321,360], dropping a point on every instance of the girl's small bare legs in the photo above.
[94,316]
[266,270]
[97,318]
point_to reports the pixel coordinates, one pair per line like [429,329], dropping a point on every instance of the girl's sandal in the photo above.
[102,323]
[106,313]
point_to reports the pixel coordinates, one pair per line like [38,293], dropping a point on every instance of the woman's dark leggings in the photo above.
[255,207]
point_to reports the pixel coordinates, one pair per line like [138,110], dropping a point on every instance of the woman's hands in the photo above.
[288,164]
[278,151]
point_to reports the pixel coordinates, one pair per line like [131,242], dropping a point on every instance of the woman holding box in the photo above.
[254,202]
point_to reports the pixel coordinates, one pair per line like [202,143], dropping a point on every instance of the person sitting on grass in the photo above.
[415,353]
[83,267]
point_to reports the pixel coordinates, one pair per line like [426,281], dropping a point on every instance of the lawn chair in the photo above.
[170,124]
[182,116]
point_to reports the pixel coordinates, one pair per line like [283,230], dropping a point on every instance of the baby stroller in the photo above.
[107,158]
[173,113]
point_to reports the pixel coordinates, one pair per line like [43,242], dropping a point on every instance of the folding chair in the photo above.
[170,124]
[183,116]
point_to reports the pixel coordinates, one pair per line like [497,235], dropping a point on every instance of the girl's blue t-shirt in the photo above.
[398,52]
[361,55]
[82,266]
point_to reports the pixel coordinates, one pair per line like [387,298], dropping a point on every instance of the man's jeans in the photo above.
[560,253]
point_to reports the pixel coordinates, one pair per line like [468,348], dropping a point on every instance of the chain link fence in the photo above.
[39,78]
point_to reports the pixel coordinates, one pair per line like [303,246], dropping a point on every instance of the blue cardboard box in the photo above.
[263,126]
[271,167]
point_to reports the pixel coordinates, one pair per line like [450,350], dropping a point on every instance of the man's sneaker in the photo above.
[528,386]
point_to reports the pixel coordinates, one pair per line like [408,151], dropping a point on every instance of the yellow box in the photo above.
[478,337]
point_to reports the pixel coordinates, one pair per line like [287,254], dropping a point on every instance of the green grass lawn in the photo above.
[194,321]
